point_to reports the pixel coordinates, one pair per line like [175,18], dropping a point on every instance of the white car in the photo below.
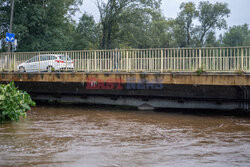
[48,62]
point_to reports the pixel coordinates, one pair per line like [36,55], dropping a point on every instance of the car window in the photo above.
[64,57]
[36,59]
[53,57]
[42,58]
[30,60]
[46,57]
[33,59]
[50,57]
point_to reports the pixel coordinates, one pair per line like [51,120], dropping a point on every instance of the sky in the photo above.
[240,9]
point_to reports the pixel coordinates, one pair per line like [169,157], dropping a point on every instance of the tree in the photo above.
[48,25]
[185,22]
[159,31]
[141,29]
[211,16]
[112,12]
[211,40]
[87,33]
[247,40]
[236,36]
[4,21]
[42,25]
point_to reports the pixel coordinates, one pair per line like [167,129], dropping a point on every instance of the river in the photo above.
[99,136]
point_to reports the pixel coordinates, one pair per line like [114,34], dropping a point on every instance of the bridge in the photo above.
[191,78]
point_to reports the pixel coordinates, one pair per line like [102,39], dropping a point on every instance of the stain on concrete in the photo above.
[42,75]
[30,76]
[72,74]
[58,75]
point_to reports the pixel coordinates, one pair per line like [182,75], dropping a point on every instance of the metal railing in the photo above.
[226,59]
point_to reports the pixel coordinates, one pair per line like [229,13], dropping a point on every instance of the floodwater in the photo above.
[82,136]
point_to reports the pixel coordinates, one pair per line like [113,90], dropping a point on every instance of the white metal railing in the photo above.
[221,59]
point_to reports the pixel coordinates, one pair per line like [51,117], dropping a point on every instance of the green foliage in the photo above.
[41,25]
[126,22]
[87,33]
[237,36]
[247,40]
[211,40]
[210,17]
[240,72]
[200,71]
[184,23]
[140,29]
[14,103]
[48,25]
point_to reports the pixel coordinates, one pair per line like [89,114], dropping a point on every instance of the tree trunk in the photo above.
[109,36]
[104,30]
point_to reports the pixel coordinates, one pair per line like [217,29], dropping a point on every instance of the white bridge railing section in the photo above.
[228,59]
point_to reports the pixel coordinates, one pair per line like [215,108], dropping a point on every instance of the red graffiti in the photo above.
[93,83]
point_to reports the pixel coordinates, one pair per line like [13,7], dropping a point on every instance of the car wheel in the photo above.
[21,69]
[50,69]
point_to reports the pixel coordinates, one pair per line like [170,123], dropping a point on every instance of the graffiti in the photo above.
[119,84]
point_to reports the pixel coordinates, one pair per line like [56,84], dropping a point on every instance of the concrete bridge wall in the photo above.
[143,90]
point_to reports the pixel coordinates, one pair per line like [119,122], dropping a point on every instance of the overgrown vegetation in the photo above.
[14,103]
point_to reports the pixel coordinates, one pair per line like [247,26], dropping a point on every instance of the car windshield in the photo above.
[64,58]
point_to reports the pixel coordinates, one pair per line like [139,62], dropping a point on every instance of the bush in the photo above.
[13,103]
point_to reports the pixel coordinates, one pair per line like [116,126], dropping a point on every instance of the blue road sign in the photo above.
[10,37]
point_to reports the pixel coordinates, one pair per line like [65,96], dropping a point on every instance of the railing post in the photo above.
[200,64]
[66,61]
[242,59]
[95,60]
[127,60]
[9,62]
[88,64]
[6,62]
[14,59]
[161,60]
[39,62]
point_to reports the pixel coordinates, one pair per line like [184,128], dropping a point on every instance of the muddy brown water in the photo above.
[83,136]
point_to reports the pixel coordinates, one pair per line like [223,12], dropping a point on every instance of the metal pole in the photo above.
[11,22]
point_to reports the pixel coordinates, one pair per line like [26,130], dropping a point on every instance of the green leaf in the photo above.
[13,103]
